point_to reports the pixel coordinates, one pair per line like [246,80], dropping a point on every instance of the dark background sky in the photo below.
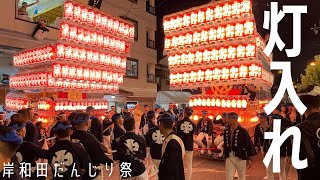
[310,45]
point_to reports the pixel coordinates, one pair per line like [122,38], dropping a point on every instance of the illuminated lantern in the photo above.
[97,20]
[206,56]
[223,53]
[236,8]
[241,51]
[239,30]
[234,103]
[234,72]
[56,70]
[200,76]
[166,25]
[213,102]
[231,52]
[64,32]
[186,20]
[174,42]
[201,16]
[191,58]
[126,30]
[199,101]
[172,79]
[216,74]
[229,31]
[60,51]
[72,72]
[214,55]
[87,37]
[79,73]
[244,103]
[240,120]
[218,102]
[198,57]
[228,103]
[245,7]
[191,103]
[250,50]
[196,38]
[104,21]
[194,18]
[116,25]
[196,117]
[254,120]
[179,22]
[204,102]
[239,103]
[208,75]
[193,77]
[186,78]
[121,28]
[64,71]
[73,33]
[167,43]
[227,10]
[221,33]
[68,52]
[172,24]
[204,36]
[100,40]
[84,15]
[110,24]
[131,32]
[188,39]
[225,73]
[208,101]
[68,10]
[212,34]
[218,12]
[209,15]
[178,60]
[80,35]
[253,70]
[243,71]
[248,28]
[181,40]
[184,58]
[77,12]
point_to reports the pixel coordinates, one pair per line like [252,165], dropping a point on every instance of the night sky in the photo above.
[310,45]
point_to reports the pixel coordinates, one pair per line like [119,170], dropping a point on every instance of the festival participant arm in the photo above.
[38,152]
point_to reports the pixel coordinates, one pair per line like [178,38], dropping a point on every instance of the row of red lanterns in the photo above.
[218,102]
[79,13]
[35,55]
[87,74]
[62,105]
[207,14]
[212,55]
[68,52]
[82,35]
[14,103]
[216,74]
[89,56]
[43,80]
[205,36]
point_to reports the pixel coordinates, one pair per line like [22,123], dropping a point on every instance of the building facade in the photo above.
[17,27]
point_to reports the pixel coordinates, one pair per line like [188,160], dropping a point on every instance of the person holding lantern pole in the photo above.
[185,131]
[238,148]
[204,130]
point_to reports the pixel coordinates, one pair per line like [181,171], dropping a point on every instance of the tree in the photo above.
[312,76]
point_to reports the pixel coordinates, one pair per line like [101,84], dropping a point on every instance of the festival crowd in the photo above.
[151,143]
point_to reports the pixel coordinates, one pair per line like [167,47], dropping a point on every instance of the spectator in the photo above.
[310,134]
[173,151]
[137,113]
[144,121]
[28,151]
[32,133]
[96,125]
[9,143]
[40,30]
[250,91]
[60,117]
[22,11]
[2,118]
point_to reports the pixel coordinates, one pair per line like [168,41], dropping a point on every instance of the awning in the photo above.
[176,97]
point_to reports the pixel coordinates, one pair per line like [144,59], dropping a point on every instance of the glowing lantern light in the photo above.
[231,52]
[241,53]
[225,73]
[204,36]
[218,102]
[210,117]
[218,12]
[179,22]
[64,30]
[199,57]
[223,53]
[208,101]
[204,102]
[221,33]
[250,50]
[229,31]
[209,15]
[186,20]
[191,103]
[228,103]
[68,10]
[84,14]
[244,103]
[234,72]
[240,120]
[245,7]
[254,120]
[166,25]
[227,11]
[248,28]
[239,30]
[236,8]
[208,75]
[213,102]
[212,34]
[97,20]
[194,18]
[214,55]
[234,103]
[201,16]
[239,103]
[196,117]
[216,74]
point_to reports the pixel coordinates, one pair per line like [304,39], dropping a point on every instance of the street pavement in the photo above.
[206,169]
